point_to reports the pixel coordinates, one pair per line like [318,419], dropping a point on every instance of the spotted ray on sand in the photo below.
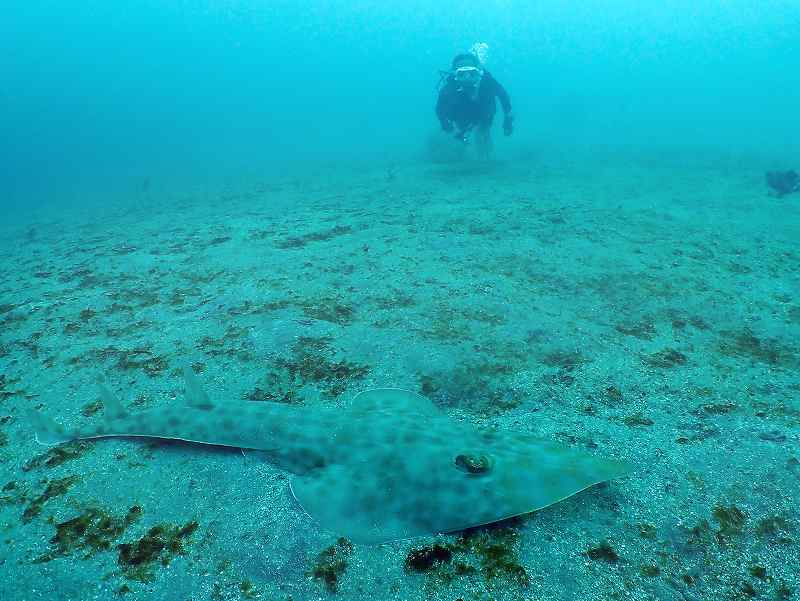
[391,466]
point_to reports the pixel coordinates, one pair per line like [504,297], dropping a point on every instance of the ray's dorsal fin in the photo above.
[393,399]
[195,395]
[114,408]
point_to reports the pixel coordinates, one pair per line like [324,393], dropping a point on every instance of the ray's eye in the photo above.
[473,464]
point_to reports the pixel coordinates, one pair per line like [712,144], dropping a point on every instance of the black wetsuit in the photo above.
[459,108]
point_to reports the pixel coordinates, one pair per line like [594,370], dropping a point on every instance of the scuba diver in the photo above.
[467,100]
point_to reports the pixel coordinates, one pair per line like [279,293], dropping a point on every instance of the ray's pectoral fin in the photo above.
[298,462]
[400,495]
[353,500]
[392,399]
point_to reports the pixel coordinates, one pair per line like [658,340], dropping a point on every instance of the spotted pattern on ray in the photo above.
[391,466]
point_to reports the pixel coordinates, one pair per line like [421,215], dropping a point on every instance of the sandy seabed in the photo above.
[642,308]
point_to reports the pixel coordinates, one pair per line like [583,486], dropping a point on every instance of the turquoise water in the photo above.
[260,191]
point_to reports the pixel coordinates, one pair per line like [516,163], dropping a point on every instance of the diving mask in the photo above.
[468,75]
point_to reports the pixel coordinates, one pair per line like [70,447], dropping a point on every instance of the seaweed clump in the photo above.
[647,531]
[477,387]
[730,519]
[90,532]
[425,558]
[776,529]
[330,310]
[162,543]
[487,551]
[132,359]
[310,364]
[55,488]
[781,183]
[612,395]
[637,419]
[58,455]
[729,537]
[644,330]
[6,393]
[745,344]
[91,408]
[293,242]
[602,552]
[331,564]
[666,359]
[143,359]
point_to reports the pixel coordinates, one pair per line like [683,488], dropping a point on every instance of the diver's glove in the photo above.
[447,126]
[508,124]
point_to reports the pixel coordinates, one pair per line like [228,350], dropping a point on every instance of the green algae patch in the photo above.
[55,488]
[783,592]
[475,387]
[447,325]
[425,558]
[566,360]
[495,549]
[6,308]
[136,298]
[91,532]
[612,395]
[647,531]
[227,345]
[730,519]
[643,330]
[179,296]
[126,359]
[731,524]
[714,409]
[397,299]
[743,344]
[248,590]
[58,455]
[636,420]
[274,394]
[330,310]
[666,359]
[602,552]
[90,409]
[87,314]
[5,382]
[758,571]
[159,546]
[331,564]
[294,242]
[311,362]
[775,529]
[142,359]
[488,553]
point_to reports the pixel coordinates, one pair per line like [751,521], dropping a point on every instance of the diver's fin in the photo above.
[195,395]
[46,431]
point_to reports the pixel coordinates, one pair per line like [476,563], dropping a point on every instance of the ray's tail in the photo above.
[48,432]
